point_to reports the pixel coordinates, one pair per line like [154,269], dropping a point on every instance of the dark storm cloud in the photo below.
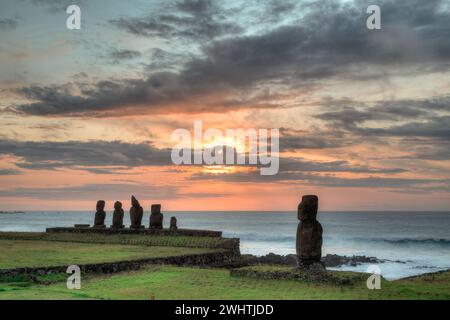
[329,38]
[74,154]
[8,23]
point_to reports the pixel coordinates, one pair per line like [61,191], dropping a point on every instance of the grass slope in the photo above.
[169,282]
[25,253]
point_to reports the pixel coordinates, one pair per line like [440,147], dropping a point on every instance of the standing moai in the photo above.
[118,216]
[309,233]
[136,213]
[99,221]
[156,217]
[173,224]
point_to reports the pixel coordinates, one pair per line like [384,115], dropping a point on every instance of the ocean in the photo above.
[413,242]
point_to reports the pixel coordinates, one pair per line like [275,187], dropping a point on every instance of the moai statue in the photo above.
[309,233]
[118,216]
[173,224]
[99,221]
[136,213]
[156,218]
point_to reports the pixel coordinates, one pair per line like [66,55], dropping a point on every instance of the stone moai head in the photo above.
[307,209]
[134,202]
[100,205]
[156,209]
[118,205]
[173,222]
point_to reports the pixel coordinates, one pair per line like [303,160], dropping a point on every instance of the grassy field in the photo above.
[127,239]
[25,253]
[169,282]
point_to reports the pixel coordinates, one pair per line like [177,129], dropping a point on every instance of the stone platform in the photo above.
[158,232]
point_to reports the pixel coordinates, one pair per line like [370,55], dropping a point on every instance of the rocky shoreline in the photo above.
[330,260]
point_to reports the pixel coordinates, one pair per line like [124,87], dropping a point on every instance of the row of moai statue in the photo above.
[309,233]
[136,214]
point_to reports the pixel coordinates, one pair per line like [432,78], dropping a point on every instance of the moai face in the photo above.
[307,210]
[118,205]
[134,202]
[100,205]
[156,208]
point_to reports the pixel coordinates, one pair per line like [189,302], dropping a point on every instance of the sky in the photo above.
[363,115]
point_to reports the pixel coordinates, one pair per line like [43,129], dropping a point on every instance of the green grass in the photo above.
[25,253]
[128,239]
[169,282]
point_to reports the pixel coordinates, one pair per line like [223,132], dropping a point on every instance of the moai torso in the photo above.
[118,215]
[156,217]
[309,232]
[136,213]
[100,215]
[173,224]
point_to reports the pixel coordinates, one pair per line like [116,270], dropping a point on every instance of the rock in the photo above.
[330,260]
[309,233]
[173,224]
[270,258]
[118,215]
[136,213]
[334,260]
[156,217]
[81,226]
[99,221]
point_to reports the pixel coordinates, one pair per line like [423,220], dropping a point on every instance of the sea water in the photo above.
[413,242]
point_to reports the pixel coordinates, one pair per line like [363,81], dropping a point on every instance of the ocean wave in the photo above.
[434,241]
[262,237]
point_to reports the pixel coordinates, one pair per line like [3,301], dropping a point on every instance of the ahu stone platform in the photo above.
[158,232]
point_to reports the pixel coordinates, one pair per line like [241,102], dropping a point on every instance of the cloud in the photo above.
[118,56]
[74,154]
[329,39]
[436,127]
[332,181]
[297,169]
[8,23]
[111,192]
[291,140]
[426,118]
[9,172]
[188,19]
[57,6]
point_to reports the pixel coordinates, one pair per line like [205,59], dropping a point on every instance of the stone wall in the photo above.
[205,259]
[159,232]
